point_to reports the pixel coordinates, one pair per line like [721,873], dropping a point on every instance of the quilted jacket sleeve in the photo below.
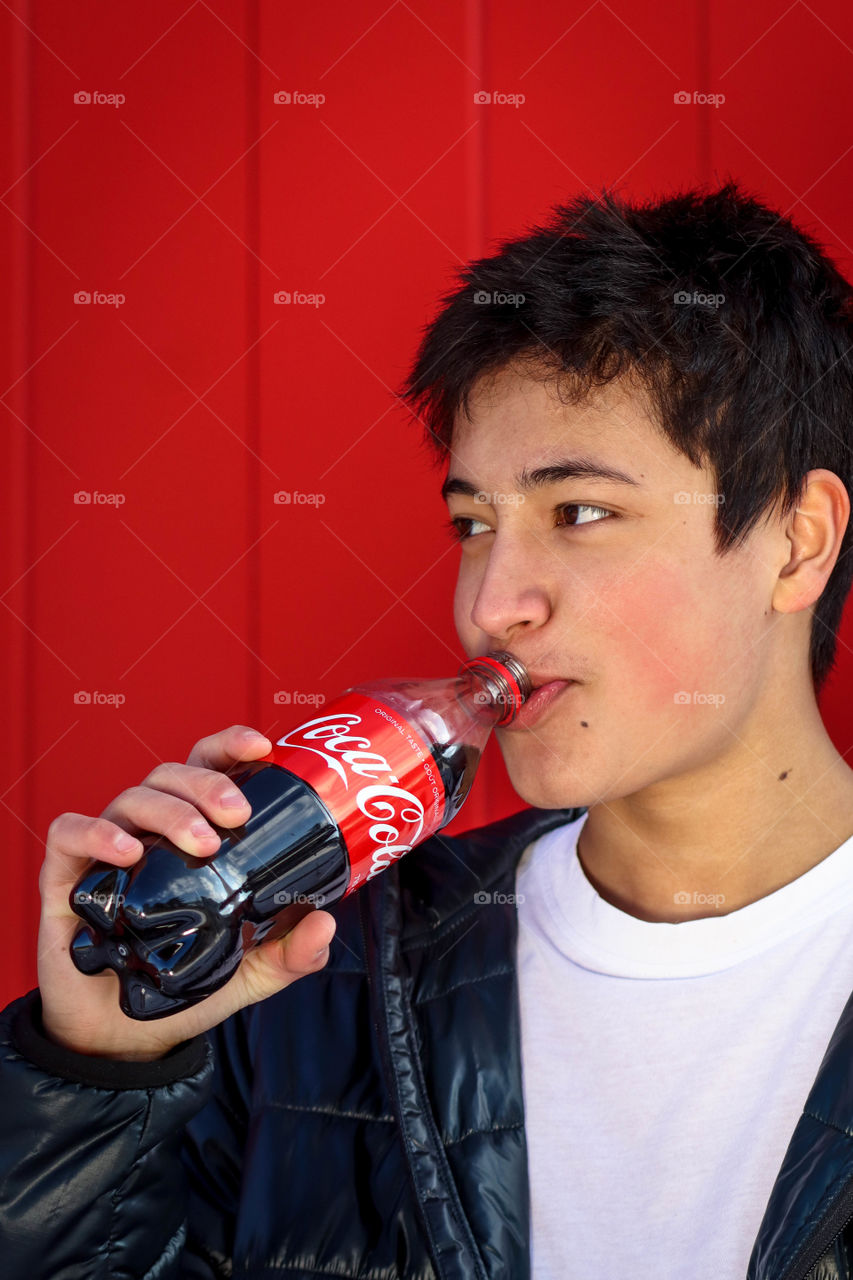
[115,1170]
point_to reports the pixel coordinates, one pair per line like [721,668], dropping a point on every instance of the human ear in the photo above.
[815,530]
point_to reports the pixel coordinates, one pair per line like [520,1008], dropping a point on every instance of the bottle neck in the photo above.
[503,684]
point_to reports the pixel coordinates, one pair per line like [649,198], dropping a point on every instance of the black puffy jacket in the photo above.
[366,1122]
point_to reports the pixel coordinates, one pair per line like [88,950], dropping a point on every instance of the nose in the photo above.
[512,592]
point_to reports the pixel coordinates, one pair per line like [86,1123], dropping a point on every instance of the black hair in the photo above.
[735,322]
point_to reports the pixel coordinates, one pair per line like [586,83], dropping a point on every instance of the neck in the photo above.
[714,840]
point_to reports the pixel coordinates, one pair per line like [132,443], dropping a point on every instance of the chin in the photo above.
[546,793]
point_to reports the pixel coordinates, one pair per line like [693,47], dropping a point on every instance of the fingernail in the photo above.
[233,800]
[326,944]
[253,734]
[124,842]
[203,831]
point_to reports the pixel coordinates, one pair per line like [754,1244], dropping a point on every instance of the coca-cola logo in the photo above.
[379,802]
[332,730]
[396,815]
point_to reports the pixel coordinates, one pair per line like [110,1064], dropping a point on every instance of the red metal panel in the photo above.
[138,592]
[784,130]
[598,84]
[363,201]
[16,356]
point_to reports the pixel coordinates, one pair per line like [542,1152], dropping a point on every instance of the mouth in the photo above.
[538,679]
[546,690]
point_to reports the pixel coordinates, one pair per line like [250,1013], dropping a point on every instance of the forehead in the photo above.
[518,420]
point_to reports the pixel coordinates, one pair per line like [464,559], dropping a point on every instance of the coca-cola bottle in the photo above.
[337,800]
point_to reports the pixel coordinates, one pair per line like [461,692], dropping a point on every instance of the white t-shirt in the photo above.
[665,1066]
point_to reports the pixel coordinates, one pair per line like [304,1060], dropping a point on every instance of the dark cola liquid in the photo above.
[457,764]
[174,928]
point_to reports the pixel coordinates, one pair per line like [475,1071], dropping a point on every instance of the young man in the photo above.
[634,1058]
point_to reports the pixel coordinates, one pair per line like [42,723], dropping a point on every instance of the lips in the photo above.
[539,702]
[538,679]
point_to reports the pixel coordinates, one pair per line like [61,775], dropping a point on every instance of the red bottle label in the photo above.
[374,773]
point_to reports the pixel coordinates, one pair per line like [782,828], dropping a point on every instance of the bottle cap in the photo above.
[506,678]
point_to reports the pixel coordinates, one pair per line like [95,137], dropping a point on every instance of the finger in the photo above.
[142,809]
[276,963]
[210,791]
[74,840]
[221,750]
[306,946]
[264,970]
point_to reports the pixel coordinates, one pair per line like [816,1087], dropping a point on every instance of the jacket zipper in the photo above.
[831,1226]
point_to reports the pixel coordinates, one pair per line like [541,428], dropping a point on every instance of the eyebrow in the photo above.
[555,473]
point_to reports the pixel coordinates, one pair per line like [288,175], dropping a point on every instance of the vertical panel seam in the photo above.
[252,428]
[27,115]
[475,23]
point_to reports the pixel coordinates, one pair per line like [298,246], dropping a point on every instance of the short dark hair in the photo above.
[735,322]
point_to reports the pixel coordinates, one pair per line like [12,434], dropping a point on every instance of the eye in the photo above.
[463,527]
[581,506]
[460,527]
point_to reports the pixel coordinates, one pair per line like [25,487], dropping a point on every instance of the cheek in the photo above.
[663,634]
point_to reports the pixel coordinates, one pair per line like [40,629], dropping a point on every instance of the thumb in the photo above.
[279,961]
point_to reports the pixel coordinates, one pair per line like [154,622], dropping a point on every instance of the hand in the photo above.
[82,1011]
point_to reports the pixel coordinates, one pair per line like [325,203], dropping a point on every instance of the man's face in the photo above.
[614,585]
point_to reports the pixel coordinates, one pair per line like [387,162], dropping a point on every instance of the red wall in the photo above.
[199,398]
